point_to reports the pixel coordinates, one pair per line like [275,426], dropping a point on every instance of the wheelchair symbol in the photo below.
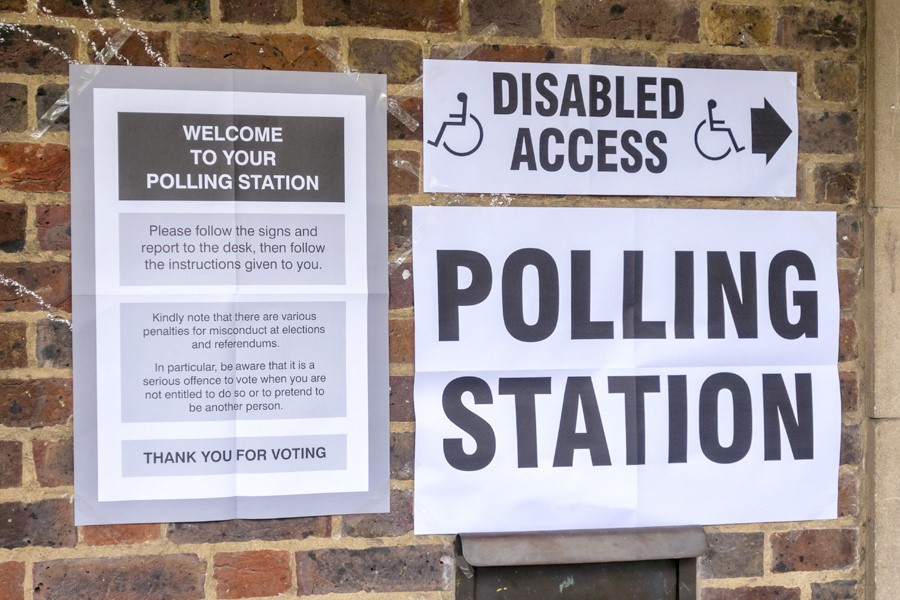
[464,136]
[715,127]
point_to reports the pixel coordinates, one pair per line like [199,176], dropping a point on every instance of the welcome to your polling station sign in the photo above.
[597,129]
[588,368]
[230,338]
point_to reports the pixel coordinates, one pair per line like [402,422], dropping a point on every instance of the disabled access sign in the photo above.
[526,128]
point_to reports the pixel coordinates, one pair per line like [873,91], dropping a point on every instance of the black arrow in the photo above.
[769,130]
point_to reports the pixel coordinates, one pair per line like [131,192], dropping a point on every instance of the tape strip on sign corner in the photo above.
[602,368]
[76,86]
[527,128]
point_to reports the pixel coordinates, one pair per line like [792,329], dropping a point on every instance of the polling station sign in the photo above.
[613,368]
[594,129]
[230,339]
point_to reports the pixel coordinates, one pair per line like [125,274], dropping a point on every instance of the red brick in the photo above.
[45,98]
[669,21]
[813,550]
[12,581]
[514,53]
[35,403]
[43,523]
[403,170]
[13,106]
[400,282]
[837,183]
[12,227]
[402,342]
[733,555]
[395,523]
[619,56]
[816,29]
[848,286]
[851,445]
[118,535]
[835,590]
[54,226]
[744,62]
[53,462]
[849,392]
[10,466]
[399,129]
[144,10]
[54,344]
[399,60]
[848,495]
[34,167]
[157,577]
[240,530]
[848,236]
[271,52]
[768,592]
[735,25]
[837,80]
[49,280]
[252,574]
[399,230]
[512,17]
[393,569]
[13,347]
[402,399]
[408,15]
[848,347]
[258,11]
[26,51]
[403,456]
[134,48]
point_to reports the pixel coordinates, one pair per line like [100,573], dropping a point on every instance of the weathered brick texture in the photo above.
[666,20]
[53,462]
[252,574]
[394,569]
[156,577]
[28,167]
[813,550]
[13,107]
[768,592]
[13,350]
[135,50]
[512,17]
[733,555]
[401,61]
[43,523]
[144,10]
[272,52]
[246,530]
[37,50]
[54,344]
[54,228]
[10,464]
[409,15]
[35,403]
[395,523]
[115,535]
[12,578]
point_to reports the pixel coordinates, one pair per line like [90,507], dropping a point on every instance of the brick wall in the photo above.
[43,556]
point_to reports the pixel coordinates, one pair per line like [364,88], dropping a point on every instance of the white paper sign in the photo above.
[588,129]
[587,368]
[230,339]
